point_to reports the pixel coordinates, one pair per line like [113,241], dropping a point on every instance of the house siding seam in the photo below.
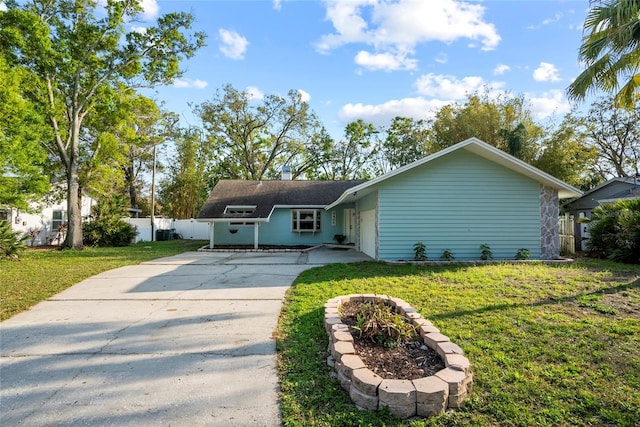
[549,226]
[459,202]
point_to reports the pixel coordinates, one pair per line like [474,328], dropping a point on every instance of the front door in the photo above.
[350,225]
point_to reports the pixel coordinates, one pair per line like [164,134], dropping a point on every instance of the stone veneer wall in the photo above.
[425,396]
[549,227]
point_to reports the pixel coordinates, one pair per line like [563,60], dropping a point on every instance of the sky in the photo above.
[376,59]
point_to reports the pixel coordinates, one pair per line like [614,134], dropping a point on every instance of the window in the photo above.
[4,215]
[239,211]
[59,218]
[305,219]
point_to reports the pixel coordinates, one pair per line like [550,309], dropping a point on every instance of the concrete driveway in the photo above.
[179,341]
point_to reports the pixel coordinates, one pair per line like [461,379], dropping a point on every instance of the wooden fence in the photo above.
[567,234]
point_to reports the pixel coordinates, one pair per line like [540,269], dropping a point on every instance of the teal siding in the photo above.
[459,202]
[278,231]
[368,202]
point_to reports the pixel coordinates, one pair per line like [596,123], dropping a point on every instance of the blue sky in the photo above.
[374,59]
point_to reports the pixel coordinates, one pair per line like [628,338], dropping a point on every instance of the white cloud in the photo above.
[233,44]
[384,61]
[382,114]
[254,93]
[441,58]
[546,72]
[190,84]
[150,9]
[557,17]
[137,29]
[501,69]
[450,87]
[396,28]
[549,103]
[277,4]
[3,7]
[304,96]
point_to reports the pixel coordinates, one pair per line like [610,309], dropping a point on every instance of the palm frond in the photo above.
[611,50]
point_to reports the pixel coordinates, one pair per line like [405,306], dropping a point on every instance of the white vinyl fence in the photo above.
[187,228]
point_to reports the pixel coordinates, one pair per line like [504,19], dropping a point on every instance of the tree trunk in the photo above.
[129,177]
[74,214]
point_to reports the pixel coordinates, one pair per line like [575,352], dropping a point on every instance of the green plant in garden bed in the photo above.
[522,254]
[379,322]
[485,252]
[447,255]
[420,251]
[42,273]
[540,354]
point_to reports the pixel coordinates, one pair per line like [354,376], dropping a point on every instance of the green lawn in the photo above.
[549,345]
[42,273]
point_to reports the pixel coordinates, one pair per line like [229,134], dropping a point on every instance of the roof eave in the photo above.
[232,219]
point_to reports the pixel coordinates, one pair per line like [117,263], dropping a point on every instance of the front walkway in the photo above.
[182,340]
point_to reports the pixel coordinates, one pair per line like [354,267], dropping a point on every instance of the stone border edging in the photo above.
[423,397]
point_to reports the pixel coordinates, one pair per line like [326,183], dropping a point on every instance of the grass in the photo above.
[41,273]
[549,345]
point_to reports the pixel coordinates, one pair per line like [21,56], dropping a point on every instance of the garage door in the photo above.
[368,233]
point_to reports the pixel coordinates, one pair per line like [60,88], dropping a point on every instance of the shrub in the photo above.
[615,231]
[447,255]
[523,253]
[106,227]
[11,243]
[485,252]
[420,251]
[32,234]
[340,238]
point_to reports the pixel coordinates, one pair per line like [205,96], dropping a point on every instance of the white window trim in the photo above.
[317,220]
[61,221]
[245,210]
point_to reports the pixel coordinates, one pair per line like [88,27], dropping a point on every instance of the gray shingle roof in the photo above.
[266,194]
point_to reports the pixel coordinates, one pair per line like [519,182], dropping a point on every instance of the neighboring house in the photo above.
[43,222]
[610,191]
[458,199]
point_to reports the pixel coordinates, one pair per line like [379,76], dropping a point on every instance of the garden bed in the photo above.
[405,395]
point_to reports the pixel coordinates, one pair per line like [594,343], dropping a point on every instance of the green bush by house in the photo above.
[615,231]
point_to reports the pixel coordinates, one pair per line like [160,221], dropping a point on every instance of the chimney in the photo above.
[286,173]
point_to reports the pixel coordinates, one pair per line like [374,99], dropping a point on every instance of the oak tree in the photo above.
[23,133]
[256,137]
[79,50]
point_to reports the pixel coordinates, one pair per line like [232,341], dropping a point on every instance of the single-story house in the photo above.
[614,189]
[464,196]
[44,220]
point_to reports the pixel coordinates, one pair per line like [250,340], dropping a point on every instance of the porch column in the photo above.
[211,226]
[255,235]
